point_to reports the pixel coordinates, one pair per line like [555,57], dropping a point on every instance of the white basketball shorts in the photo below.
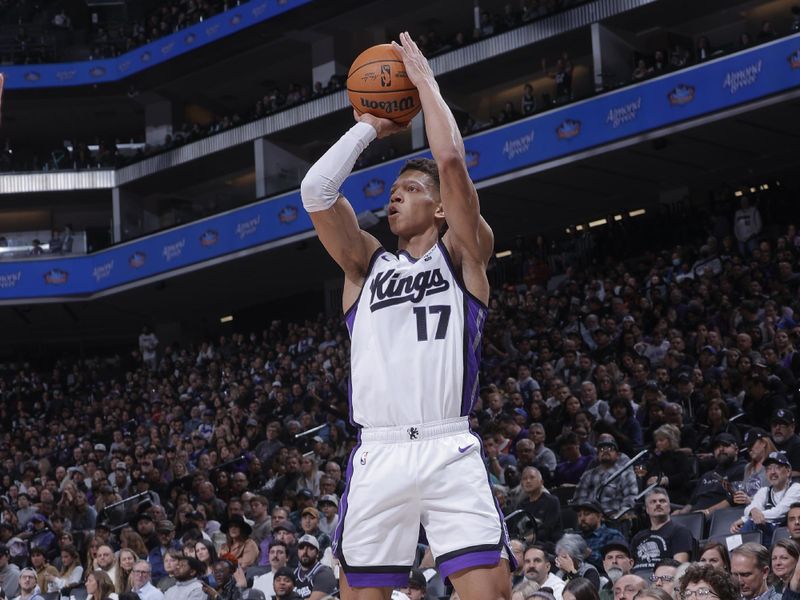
[401,477]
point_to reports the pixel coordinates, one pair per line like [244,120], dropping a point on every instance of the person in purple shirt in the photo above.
[574,463]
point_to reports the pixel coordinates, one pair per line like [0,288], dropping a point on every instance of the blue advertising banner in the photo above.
[157,52]
[670,99]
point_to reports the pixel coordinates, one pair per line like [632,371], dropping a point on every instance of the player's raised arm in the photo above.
[331,213]
[459,197]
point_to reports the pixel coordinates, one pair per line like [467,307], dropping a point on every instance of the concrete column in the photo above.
[612,56]
[278,168]
[158,117]
[418,132]
[116,216]
[323,61]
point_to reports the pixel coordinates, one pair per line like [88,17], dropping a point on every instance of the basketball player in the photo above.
[415,321]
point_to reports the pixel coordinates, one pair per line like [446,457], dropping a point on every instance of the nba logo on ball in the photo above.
[378,84]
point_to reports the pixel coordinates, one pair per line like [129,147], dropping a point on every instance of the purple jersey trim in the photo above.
[486,558]
[376,580]
[337,534]
[457,275]
[474,318]
[504,538]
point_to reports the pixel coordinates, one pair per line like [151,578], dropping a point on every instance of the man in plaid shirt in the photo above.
[595,532]
[616,495]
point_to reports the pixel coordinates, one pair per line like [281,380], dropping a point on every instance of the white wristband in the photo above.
[320,187]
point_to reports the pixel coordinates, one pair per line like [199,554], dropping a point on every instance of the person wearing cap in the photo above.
[620,494]
[286,532]
[9,573]
[617,562]
[283,585]
[712,490]
[309,523]
[165,530]
[759,446]
[782,426]
[313,579]
[187,573]
[768,508]
[278,557]
[329,507]
[595,533]
[417,585]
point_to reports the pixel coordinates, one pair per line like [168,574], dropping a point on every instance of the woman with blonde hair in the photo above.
[125,561]
[668,467]
[130,539]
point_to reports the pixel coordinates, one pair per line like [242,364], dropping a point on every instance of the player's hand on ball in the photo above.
[384,127]
[417,67]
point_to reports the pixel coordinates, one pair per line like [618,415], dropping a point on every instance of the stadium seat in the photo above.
[694,522]
[781,533]
[564,493]
[721,521]
[753,536]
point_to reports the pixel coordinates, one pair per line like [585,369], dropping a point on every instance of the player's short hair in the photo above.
[424,165]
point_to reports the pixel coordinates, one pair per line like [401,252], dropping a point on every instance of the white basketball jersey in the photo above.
[416,342]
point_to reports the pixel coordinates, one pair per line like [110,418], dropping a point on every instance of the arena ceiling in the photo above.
[740,150]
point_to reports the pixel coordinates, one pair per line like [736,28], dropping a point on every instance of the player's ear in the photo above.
[439,213]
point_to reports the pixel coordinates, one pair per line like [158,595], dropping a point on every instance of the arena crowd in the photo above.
[636,415]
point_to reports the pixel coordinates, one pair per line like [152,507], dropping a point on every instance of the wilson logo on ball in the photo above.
[389,106]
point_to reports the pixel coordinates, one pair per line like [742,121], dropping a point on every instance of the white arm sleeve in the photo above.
[320,187]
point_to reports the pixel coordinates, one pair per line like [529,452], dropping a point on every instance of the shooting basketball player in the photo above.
[415,321]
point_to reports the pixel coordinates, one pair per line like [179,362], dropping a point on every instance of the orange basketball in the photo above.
[377,84]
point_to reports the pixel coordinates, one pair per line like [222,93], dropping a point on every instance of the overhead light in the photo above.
[738,193]
[503,254]
[226,319]
[765,186]
[752,190]
[568,231]
[637,213]
[618,217]
[598,222]
[578,227]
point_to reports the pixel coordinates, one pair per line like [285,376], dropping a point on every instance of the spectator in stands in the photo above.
[617,562]
[784,557]
[44,570]
[540,505]
[187,583]
[707,579]
[310,575]
[793,522]
[716,554]
[750,567]
[71,573]
[284,585]
[239,543]
[538,566]
[664,576]
[702,49]
[769,506]
[140,582]
[573,465]
[628,587]
[28,590]
[278,558]
[99,586]
[148,342]
[231,583]
[786,440]
[571,554]
[618,495]
[747,226]
[544,458]
[562,75]
[766,33]
[668,466]
[664,539]
[710,493]
[528,102]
